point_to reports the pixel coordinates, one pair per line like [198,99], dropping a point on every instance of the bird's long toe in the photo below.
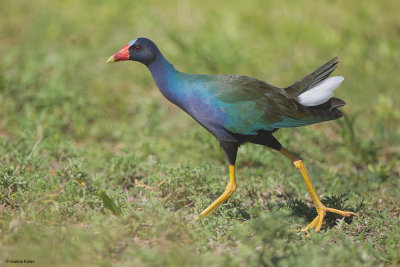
[343,213]
[311,225]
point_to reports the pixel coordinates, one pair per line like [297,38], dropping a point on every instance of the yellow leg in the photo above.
[230,188]
[321,209]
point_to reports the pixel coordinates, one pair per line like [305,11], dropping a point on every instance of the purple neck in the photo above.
[164,74]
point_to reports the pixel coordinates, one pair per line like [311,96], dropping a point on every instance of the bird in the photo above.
[240,109]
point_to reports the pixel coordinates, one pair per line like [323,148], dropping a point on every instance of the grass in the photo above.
[98,169]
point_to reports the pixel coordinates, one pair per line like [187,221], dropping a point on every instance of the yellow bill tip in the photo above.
[111,60]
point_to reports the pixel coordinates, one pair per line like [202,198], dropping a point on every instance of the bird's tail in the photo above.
[312,79]
[315,91]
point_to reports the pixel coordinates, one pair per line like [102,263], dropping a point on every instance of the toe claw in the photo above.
[354,214]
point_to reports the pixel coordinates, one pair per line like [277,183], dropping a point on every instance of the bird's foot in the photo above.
[322,210]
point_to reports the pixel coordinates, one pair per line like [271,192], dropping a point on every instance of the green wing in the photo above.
[253,105]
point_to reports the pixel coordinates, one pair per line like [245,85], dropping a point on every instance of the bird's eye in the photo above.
[137,48]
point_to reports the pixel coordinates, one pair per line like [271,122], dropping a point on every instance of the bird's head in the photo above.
[141,49]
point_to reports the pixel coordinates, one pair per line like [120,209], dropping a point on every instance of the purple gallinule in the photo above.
[239,109]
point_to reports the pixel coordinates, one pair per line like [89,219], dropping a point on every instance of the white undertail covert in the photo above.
[321,92]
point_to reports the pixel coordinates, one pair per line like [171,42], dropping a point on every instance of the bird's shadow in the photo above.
[301,209]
